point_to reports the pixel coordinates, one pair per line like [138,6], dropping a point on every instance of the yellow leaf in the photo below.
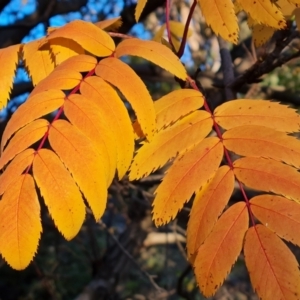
[287,7]
[81,158]
[87,35]
[258,141]
[20,223]
[84,115]
[279,215]
[261,34]
[207,207]
[139,9]
[220,15]
[79,63]
[188,174]
[113,111]
[219,252]
[268,175]
[15,169]
[110,24]
[59,79]
[60,192]
[63,48]
[264,12]
[170,142]
[37,61]
[124,78]
[154,52]
[33,108]
[24,138]
[257,112]
[9,61]
[272,267]
[175,105]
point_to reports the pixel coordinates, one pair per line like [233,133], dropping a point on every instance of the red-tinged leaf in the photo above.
[257,112]
[87,35]
[113,111]
[80,156]
[264,12]
[273,269]
[188,174]
[112,24]
[252,140]
[124,78]
[154,52]
[78,63]
[219,252]
[170,142]
[139,9]
[268,175]
[175,105]
[38,62]
[20,223]
[220,15]
[63,48]
[24,138]
[15,169]
[278,214]
[33,108]
[207,207]
[9,60]
[84,114]
[60,192]
[60,80]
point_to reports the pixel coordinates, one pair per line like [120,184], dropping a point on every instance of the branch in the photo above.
[227,69]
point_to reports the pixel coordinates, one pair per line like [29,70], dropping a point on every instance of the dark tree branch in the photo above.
[227,69]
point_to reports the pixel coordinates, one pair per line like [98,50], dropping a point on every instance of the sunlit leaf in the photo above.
[273,269]
[219,252]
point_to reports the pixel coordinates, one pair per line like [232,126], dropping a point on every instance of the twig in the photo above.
[132,260]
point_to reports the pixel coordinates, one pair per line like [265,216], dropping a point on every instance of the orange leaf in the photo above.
[60,192]
[24,138]
[87,35]
[33,108]
[257,112]
[252,140]
[139,9]
[208,205]
[261,34]
[175,105]
[278,214]
[15,169]
[154,52]
[272,267]
[20,223]
[220,250]
[84,114]
[80,156]
[9,61]
[58,79]
[124,78]
[37,61]
[220,15]
[78,63]
[170,142]
[268,175]
[264,12]
[188,174]
[112,24]
[63,48]
[113,111]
